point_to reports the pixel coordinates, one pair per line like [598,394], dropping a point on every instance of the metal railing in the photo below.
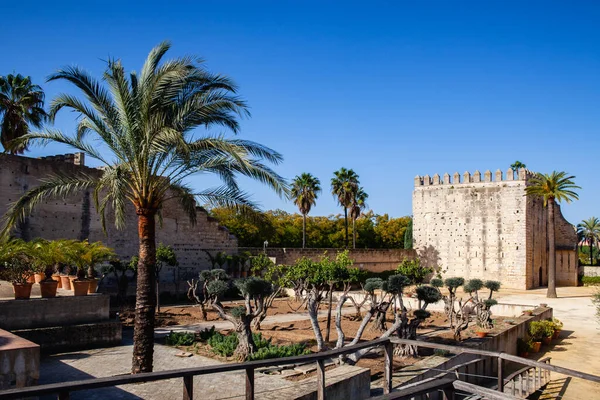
[63,389]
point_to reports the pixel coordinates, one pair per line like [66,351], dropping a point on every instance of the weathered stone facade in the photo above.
[477,227]
[75,217]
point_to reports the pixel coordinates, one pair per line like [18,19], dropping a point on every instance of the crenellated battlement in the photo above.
[476,177]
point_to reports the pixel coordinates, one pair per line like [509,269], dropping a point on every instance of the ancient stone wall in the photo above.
[478,227]
[374,260]
[76,217]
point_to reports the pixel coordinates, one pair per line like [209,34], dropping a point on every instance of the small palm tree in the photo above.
[552,188]
[147,124]
[589,230]
[359,203]
[343,186]
[304,191]
[21,105]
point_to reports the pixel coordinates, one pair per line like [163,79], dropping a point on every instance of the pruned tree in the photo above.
[275,275]
[165,255]
[482,305]
[198,288]
[255,291]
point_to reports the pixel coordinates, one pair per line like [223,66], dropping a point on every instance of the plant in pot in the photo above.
[523,347]
[16,267]
[65,266]
[92,255]
[46,256]
[528,313]
[548,332]
[537,331]
[558,325]
[76,255]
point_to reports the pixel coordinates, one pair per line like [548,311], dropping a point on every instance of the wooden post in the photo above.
[249,383]
[521,385]
[320,380]
[500,374]
[188,387]
[388,367]
[65,395]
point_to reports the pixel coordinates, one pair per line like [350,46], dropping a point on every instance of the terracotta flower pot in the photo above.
[22,290]
[80,288]
[481,334]
[93,285]
[524,354]
[556,334]
[31,279]
[38,277]
[48,288]
[528,313]
[71,279]
[535,347]
[57,279]
[547,340]
[66,282]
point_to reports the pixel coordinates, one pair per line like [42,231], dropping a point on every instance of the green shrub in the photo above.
[206,333]
[541,329]
[225,345]
[413,270]
[591,280]
[179,339]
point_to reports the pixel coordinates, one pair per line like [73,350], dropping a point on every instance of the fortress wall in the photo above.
[483,226]
[75,217]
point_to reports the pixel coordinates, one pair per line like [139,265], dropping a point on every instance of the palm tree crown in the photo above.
[21,105]
[343,186]
[147,124]
[359,203]
[589,230]
[556,186]
[305,190]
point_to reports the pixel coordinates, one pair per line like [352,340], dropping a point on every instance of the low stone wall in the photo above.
[374,260]
[67,310]
[588,270]
[19,361]
[342,383]
[74,337]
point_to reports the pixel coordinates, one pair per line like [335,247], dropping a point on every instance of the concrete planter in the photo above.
[22,290]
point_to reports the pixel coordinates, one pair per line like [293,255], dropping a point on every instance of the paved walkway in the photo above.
[580,338]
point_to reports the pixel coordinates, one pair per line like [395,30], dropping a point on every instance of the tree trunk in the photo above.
[246,345]
[328,327]
[591,251]
[353,233]
[303,230]
[313,313]
[143,331]
[338,322]
[157,295]
[346,224]
[552,252]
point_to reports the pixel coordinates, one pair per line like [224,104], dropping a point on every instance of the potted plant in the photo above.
[548,332]
[94,254]
[45,256]
[528,313]
[537,331]
[523,347]
[558,325]
[481,332]
[16,267]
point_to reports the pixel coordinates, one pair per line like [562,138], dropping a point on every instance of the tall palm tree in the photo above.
[343,186]
[359,203]
[305,191]
[147,123]
[552,188]
[589,230]
[21,105]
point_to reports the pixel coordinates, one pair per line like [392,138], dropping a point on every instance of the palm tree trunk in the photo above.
[552,250]
[353,233]
[346,223]
[591,251]
[143,331]
[303,230]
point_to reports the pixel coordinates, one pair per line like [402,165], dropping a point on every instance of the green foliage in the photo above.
[590,280]
[473,285]
[396,284]
[283,229]
[523,346]
[541,329]
[225,345]
[15,261]
[413,270]
[179,339]
[238,311]
[260,264]
[493,286]
[490,302]
[206,333]
[428,294]
[165,255]
[253,287]
[372,284]
[408,236]
[436,282]
[454,283]
[421,314]
[217,288]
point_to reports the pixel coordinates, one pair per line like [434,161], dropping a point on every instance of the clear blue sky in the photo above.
[390,89]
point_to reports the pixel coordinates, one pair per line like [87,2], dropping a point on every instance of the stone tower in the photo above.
[476,227]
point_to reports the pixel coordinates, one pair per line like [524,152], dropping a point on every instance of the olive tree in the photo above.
[198,288]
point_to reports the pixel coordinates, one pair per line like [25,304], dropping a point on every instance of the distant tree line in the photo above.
[283,229]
